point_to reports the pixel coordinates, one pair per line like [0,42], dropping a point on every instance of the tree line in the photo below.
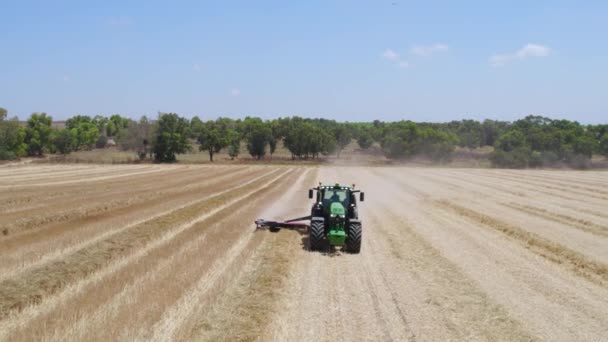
[534,141]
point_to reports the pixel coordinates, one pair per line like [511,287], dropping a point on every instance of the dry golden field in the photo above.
[169,252]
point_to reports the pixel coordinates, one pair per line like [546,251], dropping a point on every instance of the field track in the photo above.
[157,253]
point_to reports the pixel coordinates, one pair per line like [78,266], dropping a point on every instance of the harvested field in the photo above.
[169,252]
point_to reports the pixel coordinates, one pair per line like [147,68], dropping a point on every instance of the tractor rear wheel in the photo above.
[353,239]
[317,231]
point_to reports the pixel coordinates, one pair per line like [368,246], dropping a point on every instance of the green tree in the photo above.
[171,137]
[215,135]
[603,145]
[75,121]
[87,135]
[512,150]
[12,137]
[62,141]
[111,129]
[550,141]
[272,144]
[274,137]
[295,132]
[234,145]
[85,130]
[436,144]
[37,133]
[491,130]
[116,124]
[318,141]
[400,139]
[584,144]
[306,138]
[196,125]
[257,135]
[469,132]
[511,140]
[377,130]
[100,122]
[365,140]
[343,137]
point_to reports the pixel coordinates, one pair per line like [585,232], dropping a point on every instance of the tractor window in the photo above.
[331,196]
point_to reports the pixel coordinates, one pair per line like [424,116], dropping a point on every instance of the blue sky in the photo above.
[345,60]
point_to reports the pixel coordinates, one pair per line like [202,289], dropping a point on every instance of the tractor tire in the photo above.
[317,233]
[353,213]
[274,229]
[353,239]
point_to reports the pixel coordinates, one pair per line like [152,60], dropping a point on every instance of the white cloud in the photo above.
[425,51]
[415,51]
[403,64]
[394,57]
[235,92]
[390,55]
[196,67]
[529,50]
[500,60]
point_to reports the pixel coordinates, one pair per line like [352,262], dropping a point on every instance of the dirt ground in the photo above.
[157,253]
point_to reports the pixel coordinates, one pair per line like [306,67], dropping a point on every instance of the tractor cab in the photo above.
[329,196]
[335,195]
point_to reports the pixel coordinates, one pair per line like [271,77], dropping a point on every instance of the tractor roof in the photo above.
[337,187]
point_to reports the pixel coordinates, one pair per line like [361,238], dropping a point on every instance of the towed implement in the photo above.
[334,219]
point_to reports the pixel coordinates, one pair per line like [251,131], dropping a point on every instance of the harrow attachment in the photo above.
[296,223]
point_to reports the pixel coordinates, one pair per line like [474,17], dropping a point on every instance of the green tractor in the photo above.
[334,218]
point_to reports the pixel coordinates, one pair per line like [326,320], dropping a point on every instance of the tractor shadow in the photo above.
[327,250]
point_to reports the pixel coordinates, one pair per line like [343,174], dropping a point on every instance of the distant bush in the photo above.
[234,149]
[63,141]
[603,146]
[7,155]
[365,140]
[437,145]
[543,159]
[406,139]
[137,137]
[516,158]
[580,162]
[537,141]
[102,141]
[37,133]
[12,138]
[533,141]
